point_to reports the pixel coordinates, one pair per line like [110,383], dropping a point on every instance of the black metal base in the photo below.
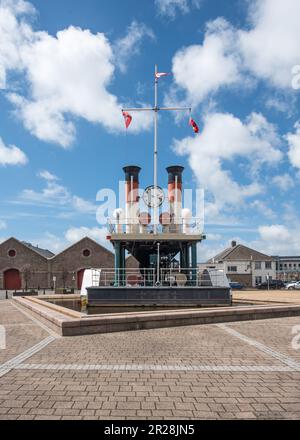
[151,296]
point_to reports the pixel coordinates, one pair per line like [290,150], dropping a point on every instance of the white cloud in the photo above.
[170,8]
[47,175]
[98,234]
[271,47]
[56,243]
[13,34]
[263,209]
[279,239]
[52,242]
[293,140]
[68,76]
[274,232]
[282,104]
[203,69]
[130,45]
[56,195]
[224,138]
[284,182]
[11,155]
[213,237]
[3,224]
[227,57]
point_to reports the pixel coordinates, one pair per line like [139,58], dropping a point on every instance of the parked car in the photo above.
[237,286]
[293,286]
[272,284]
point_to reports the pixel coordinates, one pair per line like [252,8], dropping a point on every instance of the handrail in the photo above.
[194,226]
[169,277]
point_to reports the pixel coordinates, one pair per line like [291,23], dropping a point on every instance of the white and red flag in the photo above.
[161,75]
[127,118]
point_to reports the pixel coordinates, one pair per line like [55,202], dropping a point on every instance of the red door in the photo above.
[12,280]
[80,274]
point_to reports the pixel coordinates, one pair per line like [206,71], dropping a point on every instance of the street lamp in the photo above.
[73,279]
[158,264]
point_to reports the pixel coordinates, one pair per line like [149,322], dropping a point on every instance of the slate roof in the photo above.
[240,253]
[43,252]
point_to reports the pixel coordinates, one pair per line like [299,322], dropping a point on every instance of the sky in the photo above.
[68,67]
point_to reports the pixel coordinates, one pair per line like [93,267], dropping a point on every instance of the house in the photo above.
[244,265]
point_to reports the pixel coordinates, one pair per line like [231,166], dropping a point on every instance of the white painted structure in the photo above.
[243,265]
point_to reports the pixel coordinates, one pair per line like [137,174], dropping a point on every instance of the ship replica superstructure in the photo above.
[163,242]
[155,246]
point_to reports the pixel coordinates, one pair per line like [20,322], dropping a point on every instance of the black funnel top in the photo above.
[175,171]
[132,171]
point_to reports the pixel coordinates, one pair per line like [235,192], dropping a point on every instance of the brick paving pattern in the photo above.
[198,372]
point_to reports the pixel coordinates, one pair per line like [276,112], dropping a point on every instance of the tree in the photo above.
[64,276]
[27,276]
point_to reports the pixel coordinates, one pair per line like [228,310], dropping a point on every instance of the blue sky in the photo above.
[66,69]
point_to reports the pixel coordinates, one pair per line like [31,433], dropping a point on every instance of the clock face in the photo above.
[154,197]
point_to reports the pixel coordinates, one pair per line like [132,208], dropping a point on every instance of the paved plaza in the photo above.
[246,370]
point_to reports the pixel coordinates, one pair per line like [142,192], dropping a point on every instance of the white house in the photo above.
[244,265]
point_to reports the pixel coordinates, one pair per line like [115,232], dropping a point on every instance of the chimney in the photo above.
[175,193]
[233,244]
[132,197]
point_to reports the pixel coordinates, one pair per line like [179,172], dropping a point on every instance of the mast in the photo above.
[155,147]
[156,109]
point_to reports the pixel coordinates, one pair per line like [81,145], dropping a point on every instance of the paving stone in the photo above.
[151,394]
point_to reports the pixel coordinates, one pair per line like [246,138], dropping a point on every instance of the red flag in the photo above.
[127,118]
[194,126]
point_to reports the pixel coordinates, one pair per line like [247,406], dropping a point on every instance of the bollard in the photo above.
[6,295]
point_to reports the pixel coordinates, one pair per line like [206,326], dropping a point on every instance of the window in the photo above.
[268,264]
[232,268]
[86,253]
[258,265]
[12,253]
[258,280]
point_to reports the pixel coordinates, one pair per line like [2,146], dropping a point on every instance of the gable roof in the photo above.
[80,241]
[43,252]
[240,253]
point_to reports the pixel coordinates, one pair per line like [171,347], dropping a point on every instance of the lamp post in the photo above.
[158,265]
[54,283]
[74,279]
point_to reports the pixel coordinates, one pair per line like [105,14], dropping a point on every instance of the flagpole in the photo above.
[155,149]
[156,109]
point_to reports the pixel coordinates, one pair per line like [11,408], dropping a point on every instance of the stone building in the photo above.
[25,266]
[244,265]
[22,264]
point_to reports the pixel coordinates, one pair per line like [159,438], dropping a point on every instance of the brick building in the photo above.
[23,265]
